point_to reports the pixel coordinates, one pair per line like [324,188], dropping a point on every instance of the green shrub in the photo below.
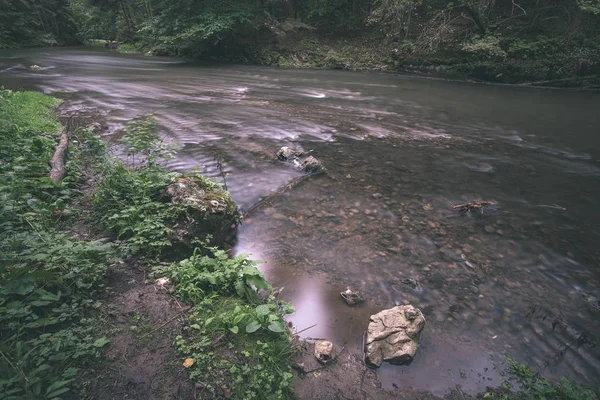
[47,279]
[485,48]
[228,308]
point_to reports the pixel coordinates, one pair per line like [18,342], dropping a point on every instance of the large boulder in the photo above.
[205,210]
[393,335]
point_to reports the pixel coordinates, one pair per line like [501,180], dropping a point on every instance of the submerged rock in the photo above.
[206,209]
[324,351]
[393,334]
[351,297]
[311,165]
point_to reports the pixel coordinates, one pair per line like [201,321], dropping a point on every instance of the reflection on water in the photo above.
[521,279]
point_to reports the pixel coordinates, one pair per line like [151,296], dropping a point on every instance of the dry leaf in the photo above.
[188,362]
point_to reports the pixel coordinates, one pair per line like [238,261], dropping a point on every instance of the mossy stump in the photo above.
[207,210]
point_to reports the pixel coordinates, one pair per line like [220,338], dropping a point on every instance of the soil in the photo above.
[141,361]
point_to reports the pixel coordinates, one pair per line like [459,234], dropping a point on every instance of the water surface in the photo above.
[522,279]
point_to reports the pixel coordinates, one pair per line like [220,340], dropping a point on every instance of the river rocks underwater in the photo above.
[520,279]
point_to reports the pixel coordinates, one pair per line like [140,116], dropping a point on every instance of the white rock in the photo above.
[285,153]
[393,335]
[324,351]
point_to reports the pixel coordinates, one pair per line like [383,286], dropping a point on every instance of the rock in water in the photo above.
[207,209]
[393,335]
[324,351]
[35,67]
[311,165]
[285,153]
[351,297]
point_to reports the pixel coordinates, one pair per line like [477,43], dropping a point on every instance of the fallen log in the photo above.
[57,162]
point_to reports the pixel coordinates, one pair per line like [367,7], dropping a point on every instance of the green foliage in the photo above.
[200,274]
[590,6]
[127,48]
[46,278]
[542,46]
[29,111]
[127,204]
[485,48]
[39,23]
[227,308]
[141,138]
[530,385]
[128,201]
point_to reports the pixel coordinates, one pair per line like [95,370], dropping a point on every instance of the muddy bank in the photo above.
[141,362]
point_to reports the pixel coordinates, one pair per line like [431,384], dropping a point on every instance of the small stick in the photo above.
[165,324]
[305,329]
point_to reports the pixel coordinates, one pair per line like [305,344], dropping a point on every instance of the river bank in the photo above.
[536,61]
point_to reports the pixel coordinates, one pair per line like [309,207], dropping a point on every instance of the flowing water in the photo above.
[521,279]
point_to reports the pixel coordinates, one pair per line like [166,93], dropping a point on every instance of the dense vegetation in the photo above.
[501,40]
[48,279]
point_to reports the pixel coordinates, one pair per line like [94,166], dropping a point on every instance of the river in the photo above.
[521,279]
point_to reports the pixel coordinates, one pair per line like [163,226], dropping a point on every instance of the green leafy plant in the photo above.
[486,47]
[126,203]
[530,385]
[142,139]
[47,279]
[228,307]
[201,273]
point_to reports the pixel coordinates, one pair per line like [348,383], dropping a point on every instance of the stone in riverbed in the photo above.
[352,297]
[393,334]
[311,165]
[324,351]
[285,153]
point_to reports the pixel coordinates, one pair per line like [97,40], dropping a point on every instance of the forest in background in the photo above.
[497,40]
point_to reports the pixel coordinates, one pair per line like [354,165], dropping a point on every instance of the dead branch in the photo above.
[57,162]
[473,206]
